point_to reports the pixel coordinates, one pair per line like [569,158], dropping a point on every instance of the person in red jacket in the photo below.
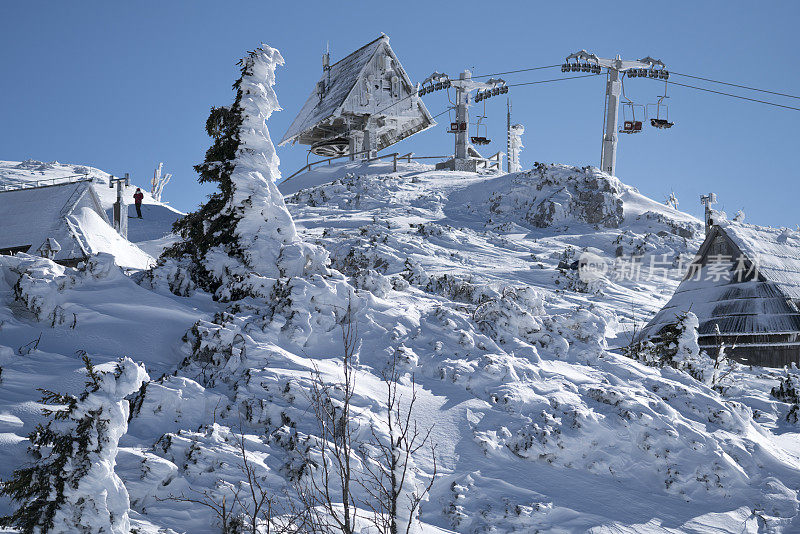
[137,200]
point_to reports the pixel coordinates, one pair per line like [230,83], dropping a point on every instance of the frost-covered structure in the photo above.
[70,213]
[365,101]
[515,147]
[744,287]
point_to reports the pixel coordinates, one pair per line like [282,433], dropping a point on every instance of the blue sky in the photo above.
[124,85]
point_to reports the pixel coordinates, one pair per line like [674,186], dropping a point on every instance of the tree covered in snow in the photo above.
[244,227]
[677,347]
[391,481]
[788,390]
[72,486]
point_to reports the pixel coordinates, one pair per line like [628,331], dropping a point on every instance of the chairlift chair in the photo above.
[661,120]
[479,139]
[630,125]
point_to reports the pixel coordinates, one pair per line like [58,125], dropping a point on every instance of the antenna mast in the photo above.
[509,151]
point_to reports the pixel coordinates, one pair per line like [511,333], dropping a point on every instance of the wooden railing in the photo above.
[394,155]
[42,182]
[494,161]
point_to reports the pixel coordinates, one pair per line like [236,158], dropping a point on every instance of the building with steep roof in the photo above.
[744,287]
[64,222]
[364,102]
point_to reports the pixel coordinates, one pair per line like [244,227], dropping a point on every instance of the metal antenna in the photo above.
[707,200]
[509,151]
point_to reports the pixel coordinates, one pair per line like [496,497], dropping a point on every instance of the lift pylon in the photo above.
[586,62]
[465,85]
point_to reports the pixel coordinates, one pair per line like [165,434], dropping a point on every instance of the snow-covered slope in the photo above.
[158,217]
[540,424]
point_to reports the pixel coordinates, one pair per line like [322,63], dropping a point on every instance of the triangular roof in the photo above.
[344,76]
[32,215]
[69,212]
[760,304]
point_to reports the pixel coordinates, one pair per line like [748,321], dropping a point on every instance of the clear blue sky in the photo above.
[124,85]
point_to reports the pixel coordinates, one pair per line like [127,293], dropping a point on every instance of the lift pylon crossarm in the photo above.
[616,63]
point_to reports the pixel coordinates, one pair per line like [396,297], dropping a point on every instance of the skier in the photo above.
[137,199]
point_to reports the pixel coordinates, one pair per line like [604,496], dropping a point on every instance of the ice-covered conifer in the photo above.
[72,486]
[245,226]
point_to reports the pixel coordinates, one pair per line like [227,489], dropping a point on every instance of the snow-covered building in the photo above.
[364,102]
[64,221]
[744,287]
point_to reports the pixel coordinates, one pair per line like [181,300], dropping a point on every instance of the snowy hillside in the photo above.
[158,216]
[540,424]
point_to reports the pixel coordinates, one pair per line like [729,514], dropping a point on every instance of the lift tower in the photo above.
[463,154]
[616,66]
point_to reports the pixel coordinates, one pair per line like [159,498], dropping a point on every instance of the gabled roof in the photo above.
[344,75]
[70,213]
[764,304]
[32,215]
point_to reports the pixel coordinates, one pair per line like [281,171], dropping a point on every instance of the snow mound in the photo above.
[101,238]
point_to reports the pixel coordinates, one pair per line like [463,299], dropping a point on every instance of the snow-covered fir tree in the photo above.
[244,228]
[71,486]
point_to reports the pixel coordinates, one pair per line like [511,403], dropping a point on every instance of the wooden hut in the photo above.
[364,102]
[64,222]
[744,287]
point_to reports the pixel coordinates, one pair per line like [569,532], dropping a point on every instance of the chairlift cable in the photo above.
[734,96]
[735,85]
[516,71]
[553,80]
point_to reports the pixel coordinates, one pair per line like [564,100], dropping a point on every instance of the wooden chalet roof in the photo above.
[32,215]
[763,304]
[344,76]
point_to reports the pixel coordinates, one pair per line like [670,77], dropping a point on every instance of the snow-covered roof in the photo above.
[760,305]
[776,251]
[340,82]
[70,213]
[30,216]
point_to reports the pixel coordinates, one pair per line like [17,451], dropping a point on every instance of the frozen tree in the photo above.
[158,182]
[394,491]
[515,147]
[327,495]
[672,200]
[244,227]
[72,486]
[677,347]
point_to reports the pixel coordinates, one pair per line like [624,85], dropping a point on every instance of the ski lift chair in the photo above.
[480,140]
[661,123]
[630,127]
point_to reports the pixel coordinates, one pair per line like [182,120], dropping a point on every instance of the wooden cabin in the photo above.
[744,287]
[64,222]
[364,102]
